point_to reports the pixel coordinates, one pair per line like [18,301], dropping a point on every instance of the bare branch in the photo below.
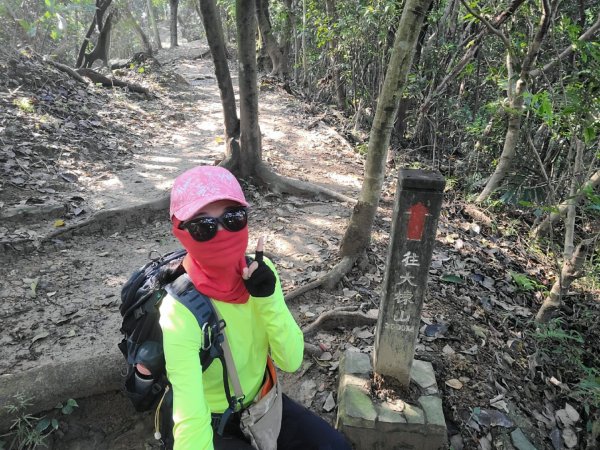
[487,23]
[545,226]
[534,48]
[587,36]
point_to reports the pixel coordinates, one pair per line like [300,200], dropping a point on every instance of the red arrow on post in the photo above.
[416,222]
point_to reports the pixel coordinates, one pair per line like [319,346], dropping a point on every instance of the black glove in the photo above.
[262,281]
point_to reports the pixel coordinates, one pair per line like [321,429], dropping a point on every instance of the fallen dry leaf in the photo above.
[454,383]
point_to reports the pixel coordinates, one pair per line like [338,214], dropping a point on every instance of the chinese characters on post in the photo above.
[416,211]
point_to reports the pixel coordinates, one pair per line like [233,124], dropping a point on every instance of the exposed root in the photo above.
[339,317]
[278,183]
[111,82]
[338,271]
[66,69]
[312,350]
[203,55]
[477,214]
[117,218]
[79,74]
[328,281]
[302,289]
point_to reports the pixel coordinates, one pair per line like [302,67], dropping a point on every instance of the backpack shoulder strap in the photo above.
[199,304]
[215,343]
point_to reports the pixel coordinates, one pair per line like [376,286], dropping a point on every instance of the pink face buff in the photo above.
[215,266]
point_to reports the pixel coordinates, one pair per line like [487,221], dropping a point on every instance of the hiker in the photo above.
[209,218]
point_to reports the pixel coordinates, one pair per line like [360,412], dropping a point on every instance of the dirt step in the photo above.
[106,422]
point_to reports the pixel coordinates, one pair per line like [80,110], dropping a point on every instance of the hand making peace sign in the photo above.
[258,277]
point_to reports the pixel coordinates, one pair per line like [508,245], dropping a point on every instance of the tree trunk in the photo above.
[101,7]
[250,143]
[138,29]
[562,209]
[334,56]
[510,142]
[153,24]
[102,48]
[216,42]
[572,206]
[174,5]
[571,270]
[286,44]
[516,105]
[304,62]
[85,43]
[358,233]
[280,66]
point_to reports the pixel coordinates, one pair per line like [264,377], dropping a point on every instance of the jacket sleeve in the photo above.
[182,340]
[286,340]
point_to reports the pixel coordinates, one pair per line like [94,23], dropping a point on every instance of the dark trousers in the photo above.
[300,430]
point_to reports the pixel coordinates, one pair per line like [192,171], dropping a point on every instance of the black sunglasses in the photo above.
[205,228]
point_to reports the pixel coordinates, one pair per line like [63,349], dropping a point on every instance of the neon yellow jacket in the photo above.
[253,329]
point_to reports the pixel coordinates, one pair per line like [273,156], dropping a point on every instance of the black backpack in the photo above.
[141,296]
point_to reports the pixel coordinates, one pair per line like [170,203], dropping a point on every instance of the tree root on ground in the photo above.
[328,281]
[279,184]
[339,317]
[111,219]
[203,55]
[66,69]
[312,350]
[477,214]
[95,77]
[111,82]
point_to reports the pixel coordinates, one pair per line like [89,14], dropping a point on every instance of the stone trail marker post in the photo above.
[418,423]
[416,211]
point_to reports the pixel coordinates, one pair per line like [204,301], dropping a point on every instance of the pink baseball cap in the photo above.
[197,187]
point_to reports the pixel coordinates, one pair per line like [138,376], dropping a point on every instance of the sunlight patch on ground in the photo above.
[321,223]
[181,139]
[111,184]
[347,180]
[278,244]
[208,125]
[157,169]
[271,133]
[163,159]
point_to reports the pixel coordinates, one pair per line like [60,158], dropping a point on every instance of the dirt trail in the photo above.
[65,297]
[60,302]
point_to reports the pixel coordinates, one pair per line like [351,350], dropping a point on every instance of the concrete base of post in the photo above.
[376,425]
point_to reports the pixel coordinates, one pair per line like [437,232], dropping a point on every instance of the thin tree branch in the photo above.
[488,24]
[587,36]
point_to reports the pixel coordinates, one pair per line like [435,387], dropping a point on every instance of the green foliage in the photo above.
[24,104]
[579,368]
[362,149]
[526,284]
[46,25]
[587,391]
[68,407]
[450,278]
[554,333]
[26,432]
[593,199]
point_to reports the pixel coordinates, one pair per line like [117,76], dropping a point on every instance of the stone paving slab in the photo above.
[372,424]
